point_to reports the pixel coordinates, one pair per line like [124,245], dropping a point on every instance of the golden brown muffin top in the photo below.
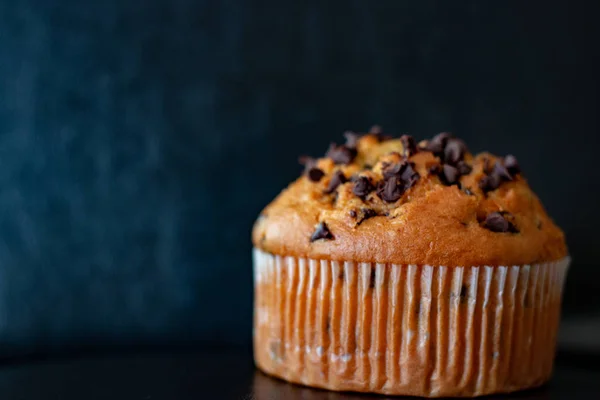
[377,199]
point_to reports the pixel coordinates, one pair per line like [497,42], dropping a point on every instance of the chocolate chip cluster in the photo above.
[451,151]
[398,177]
[339,154]
[503,170]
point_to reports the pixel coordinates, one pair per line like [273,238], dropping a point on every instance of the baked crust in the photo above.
[432,223]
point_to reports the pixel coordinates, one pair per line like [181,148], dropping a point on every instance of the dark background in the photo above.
[140,139]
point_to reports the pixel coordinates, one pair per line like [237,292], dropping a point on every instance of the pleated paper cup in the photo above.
[416,330]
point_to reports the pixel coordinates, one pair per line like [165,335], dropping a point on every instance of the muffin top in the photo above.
[392,200]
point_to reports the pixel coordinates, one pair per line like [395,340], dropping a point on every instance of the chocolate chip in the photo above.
[352,213]
[435,169]
[403,171]
[511,164]
[315,174]
[438,143]
[369,212]
[498,222]
[367,166]
[468,192]
[409,146]
[464,168]
[449,175]
[489,183]
[310,169]
[337,179]
[411,182]
[341,154]
[501,171]
[362,187]
[366,213]
[390,190]
[454,151]
[352,138]
[321,232]
[392,170]
[409,175]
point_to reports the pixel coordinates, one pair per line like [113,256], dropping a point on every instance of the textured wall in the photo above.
[139,140]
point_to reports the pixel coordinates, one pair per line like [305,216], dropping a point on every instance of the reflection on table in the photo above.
[265,387]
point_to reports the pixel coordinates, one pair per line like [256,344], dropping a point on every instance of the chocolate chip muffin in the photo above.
[406,268]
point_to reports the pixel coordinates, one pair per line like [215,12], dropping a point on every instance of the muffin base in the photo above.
[427,331]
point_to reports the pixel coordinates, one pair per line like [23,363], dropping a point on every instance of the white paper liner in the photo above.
[406,329]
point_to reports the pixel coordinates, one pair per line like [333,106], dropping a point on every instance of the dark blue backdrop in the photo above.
[139,140]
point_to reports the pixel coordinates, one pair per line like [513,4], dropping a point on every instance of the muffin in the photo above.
[408,268]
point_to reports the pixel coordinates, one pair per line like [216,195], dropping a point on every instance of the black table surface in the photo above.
[218,374]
